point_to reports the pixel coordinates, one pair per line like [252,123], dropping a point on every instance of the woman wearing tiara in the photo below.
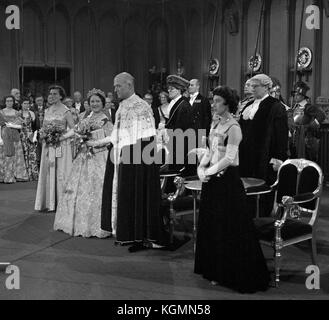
[79,209]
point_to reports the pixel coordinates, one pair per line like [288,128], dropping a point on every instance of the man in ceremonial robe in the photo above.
[132,192]
[264,145]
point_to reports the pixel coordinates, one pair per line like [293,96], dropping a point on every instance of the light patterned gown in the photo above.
[12,164]
[30,149]
[79,210]
[54,167]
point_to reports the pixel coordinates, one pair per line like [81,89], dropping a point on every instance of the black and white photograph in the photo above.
[164,150]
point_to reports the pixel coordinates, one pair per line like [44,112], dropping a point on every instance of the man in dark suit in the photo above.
[78,102]
[180,118]
[201,110]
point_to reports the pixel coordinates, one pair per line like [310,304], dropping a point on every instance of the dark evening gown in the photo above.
[227,248]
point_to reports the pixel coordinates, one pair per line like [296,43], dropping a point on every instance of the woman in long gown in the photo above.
[12,156]
[79,210]
[28,139]
[227,250]
[56,161]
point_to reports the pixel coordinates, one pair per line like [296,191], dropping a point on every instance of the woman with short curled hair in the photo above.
[227,250]
[56,157]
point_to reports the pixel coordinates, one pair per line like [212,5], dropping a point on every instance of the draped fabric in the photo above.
[131,192]
[265,137]
[138,198]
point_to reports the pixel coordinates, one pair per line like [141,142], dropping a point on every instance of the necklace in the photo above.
[222,122]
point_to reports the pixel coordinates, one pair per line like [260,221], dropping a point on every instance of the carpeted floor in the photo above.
[55,266]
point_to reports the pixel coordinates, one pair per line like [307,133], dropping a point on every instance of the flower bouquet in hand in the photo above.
[51,134]
[83,134]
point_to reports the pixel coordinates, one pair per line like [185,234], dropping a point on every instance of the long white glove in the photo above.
[35,136]
[12,125]
[231,152]
[1,141]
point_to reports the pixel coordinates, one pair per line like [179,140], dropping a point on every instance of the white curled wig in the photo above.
[263,79]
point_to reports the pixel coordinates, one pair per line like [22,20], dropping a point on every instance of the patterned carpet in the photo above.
[55,266]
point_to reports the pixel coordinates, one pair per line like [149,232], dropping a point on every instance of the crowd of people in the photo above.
[83,154]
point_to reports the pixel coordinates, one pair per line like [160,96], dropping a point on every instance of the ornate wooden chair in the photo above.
[297,196]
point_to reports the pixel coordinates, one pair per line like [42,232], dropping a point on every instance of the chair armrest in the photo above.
[258,190]
[180,188]
[304,197]
[191,178]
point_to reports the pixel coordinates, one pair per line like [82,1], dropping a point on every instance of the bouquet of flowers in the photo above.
[51,134]
[83,134]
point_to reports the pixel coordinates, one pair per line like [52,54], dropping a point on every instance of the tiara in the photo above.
[95,91]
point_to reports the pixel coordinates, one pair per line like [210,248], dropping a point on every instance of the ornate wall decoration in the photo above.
[214,68]
[304,58]
[255,63]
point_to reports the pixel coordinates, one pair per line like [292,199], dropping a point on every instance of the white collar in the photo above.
[173,101]
[302,103]
[260,100]
[194,95]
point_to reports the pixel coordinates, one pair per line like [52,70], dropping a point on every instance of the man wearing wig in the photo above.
[264,126]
